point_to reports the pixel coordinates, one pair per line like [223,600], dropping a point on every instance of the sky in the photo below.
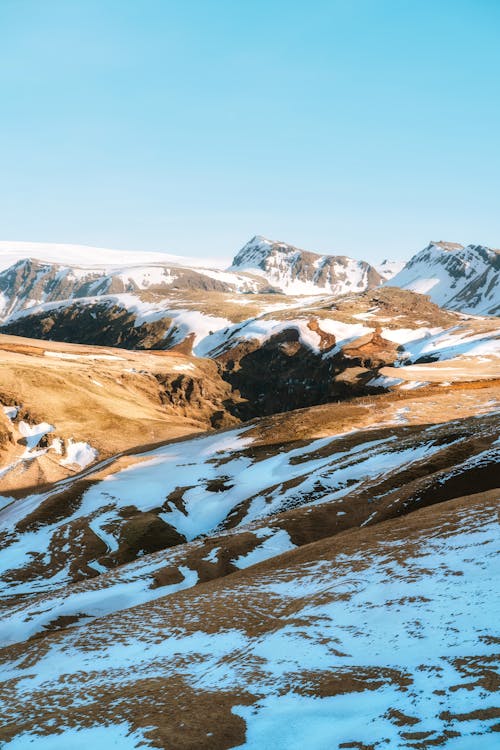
[362,127]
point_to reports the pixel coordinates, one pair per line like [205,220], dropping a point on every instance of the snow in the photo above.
[383,381]
[406,335]
[259,329]
[57,445]
[188,367]
[194,465]
[212,555]
[34,433]
[397,610]
[453,342]
[84,256]
[275,544]
[343,332]
[389,268]
[10,412]
[413,385]
[79,453]
[99,737]
[440,594]
[280,264]
[460,278]
[130,586]
[422,286]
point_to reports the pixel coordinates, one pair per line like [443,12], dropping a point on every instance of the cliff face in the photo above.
[283,373]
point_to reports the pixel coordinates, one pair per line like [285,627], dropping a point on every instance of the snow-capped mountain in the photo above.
[31,282]
[465,279]
[457,277]
[296,271]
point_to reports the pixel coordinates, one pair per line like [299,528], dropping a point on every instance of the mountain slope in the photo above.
[294,652]
[220,502]
[459,278]
[389,268]
[31,282]
[296,271]
[279,355]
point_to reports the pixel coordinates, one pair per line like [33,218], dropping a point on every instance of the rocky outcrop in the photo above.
[371,351]
[31,282]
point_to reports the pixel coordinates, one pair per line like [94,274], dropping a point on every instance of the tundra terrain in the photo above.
[253,508]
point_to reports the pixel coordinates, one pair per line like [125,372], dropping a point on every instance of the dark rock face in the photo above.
[210,398]
[282,374]
[97,324]
[278,375]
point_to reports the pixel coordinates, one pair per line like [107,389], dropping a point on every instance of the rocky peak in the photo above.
[465,278]
[297,271]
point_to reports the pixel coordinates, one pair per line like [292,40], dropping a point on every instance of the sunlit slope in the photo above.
[64,406]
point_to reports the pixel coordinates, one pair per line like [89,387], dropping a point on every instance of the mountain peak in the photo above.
[449,247]
[297,271]
[454,276]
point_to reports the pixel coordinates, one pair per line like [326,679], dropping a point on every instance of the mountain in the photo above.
[456,277]
[31,282]
[91,272]
[296,271]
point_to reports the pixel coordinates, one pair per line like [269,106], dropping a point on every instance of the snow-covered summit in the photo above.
[85,256]
[297,271]
[454,276]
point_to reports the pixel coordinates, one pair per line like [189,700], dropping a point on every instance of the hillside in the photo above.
[64,406]
[372,522]
[58,273]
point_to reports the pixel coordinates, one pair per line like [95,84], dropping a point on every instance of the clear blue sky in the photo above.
[359,126]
